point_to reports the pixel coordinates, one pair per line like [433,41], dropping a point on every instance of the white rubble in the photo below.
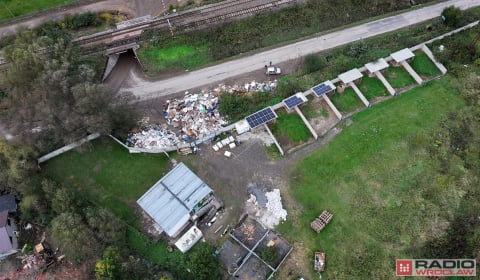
[274,211]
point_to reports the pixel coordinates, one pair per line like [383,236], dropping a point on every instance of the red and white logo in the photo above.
[436,267]
[404,267]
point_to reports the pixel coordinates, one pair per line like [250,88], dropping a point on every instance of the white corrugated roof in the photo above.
[375,66]
[170,201]
[402,55]
[350,76]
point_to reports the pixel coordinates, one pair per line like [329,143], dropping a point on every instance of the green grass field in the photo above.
[371,88]
[347,101]
[184,57]
[366,177]
[423,65]
[108,175]
[398,77]
[14,8]
[290,126]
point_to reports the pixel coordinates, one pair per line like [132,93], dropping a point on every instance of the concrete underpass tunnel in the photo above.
[119,65]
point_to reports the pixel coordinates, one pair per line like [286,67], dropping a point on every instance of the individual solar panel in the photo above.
[261,117]
[293,101]
[321,89]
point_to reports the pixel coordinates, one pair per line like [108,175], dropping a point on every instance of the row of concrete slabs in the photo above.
[321,93]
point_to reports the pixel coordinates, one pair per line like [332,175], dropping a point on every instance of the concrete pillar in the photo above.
[412,72]
[384,81]
[305,121]
[112,61]
[359,94]
[334,109]
[274,139]
[429,53]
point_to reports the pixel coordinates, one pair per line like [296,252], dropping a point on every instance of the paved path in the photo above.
[218,73]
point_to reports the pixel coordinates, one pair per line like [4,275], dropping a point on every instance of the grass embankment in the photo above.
[423,65]
[290,128]
[181,56]
[108,175]
[398,77]
[15,8]
[372,88]
[366,178]
[346,101]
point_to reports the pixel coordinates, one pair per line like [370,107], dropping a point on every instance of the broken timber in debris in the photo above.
[319,261]
[321,221]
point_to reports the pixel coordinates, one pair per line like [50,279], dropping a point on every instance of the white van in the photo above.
[272,70]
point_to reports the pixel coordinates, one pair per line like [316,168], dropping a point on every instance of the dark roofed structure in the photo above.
[7,203]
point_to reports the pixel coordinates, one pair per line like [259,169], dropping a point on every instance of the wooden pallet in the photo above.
[321,221]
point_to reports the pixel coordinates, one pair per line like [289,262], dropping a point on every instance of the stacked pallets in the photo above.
[321,221]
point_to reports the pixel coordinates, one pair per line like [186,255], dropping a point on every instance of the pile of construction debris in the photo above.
[192,117]
[253,86]
[152,136]
[270,212]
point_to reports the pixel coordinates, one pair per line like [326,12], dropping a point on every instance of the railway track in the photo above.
[188,20]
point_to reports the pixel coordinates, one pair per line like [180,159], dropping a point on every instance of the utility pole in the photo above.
[170,25]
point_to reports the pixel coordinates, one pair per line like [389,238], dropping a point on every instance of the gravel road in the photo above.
[145,89]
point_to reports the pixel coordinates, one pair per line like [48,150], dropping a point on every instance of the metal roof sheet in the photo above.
[350,76]
[5,244]
[170,201]
[402,55]
[375,66]
[7,202]
[3,218]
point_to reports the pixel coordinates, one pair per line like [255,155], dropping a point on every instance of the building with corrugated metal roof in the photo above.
[174,199]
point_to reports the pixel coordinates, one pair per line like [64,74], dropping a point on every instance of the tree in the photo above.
[52,97]
[107,228]
[203,264]
[233,105]
[17,163]
[73,237]
[109,267]
[312,63]
[452,16]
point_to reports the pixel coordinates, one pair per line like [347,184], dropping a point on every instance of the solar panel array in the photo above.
[322,89]
[261,117]
[293,101]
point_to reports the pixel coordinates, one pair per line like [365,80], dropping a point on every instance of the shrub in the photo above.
[312,63]
[452,16]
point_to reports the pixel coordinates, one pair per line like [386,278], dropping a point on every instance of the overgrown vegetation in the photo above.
[53,96]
